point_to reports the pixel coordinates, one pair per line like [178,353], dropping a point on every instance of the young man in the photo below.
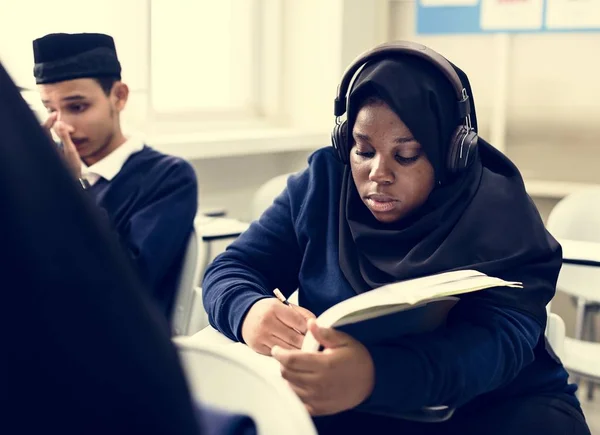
[150,198]
[101,361]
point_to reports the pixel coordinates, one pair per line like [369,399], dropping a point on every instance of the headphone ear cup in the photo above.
[463,148]
[457,137]
[339,140]
[470,149]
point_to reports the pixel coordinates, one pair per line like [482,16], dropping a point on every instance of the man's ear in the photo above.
[120,93]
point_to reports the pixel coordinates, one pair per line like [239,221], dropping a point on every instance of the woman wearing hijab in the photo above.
[399,209]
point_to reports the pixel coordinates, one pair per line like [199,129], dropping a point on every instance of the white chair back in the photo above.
[186,298]
[221,380]
[577,217]
[266,193]
[264,197]
[555,333]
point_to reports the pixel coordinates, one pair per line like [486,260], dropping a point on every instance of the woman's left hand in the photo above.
[337,379]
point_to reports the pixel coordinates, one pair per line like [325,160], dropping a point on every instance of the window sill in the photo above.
[195,146]
[209,145]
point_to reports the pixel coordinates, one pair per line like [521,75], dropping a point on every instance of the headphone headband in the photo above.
[463,143]
[402,47]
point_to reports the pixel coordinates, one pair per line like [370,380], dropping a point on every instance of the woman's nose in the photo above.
[381,172]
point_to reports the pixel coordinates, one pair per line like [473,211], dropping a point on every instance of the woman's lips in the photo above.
[381,203]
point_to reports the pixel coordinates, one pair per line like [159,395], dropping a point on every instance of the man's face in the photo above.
[83,105]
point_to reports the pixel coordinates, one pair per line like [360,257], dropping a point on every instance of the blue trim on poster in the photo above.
[448,20]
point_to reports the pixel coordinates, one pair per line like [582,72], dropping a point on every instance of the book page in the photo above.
[386,326]
[410,293]
[376,311]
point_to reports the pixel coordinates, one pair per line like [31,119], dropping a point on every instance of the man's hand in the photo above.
[337,379]
[70,153]
[63,131]
[49,123]
[269,323]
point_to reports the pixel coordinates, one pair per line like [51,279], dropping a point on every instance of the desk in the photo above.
[211,337]
[580,253]
[217,228]
[230,376]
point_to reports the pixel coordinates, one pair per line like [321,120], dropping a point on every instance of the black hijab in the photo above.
[482,219]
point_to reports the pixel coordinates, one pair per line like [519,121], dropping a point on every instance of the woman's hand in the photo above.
[269,323]
[339,378]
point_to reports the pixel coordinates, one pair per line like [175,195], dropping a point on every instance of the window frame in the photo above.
[267,71]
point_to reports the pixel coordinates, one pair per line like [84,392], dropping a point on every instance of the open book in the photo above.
[380,315]
[408,307]
[402,308]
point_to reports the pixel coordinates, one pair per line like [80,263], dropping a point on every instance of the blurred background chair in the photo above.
[262,200]
[187,314]
[577,217]
[555,333]
[266,193]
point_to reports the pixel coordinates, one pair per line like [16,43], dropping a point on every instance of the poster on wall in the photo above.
[439,17]
[443,17]
[451,3]
[572,14]
[511,14]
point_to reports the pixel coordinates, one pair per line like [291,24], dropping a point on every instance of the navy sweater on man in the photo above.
[151,203]
[489,352]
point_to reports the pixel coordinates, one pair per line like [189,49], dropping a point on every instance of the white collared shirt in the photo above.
[110,165]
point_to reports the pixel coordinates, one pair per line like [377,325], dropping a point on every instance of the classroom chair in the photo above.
[577,217]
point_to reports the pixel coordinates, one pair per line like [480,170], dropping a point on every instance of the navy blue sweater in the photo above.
[151,203]
[489,352]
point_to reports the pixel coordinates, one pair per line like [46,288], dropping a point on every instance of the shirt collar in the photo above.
[110,165]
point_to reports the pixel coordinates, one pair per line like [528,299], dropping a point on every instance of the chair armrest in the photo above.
[580,252]
[214,212]
[198,316]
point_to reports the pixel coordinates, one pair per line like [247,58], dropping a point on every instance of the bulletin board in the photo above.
[435,17]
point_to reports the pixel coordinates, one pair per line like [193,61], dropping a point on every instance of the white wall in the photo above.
[553,98]
[128,27]
[230,182]
[320,40]
[553,95]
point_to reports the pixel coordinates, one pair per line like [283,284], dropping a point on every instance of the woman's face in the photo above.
[391,172]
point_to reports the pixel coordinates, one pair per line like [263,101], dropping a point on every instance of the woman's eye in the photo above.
[367,154]
[407,160]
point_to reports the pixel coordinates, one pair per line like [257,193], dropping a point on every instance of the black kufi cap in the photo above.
[63,56]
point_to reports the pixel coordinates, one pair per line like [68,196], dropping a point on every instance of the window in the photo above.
[23,21]
[207,59]
[202,63]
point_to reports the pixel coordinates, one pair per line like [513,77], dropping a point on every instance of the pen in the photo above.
[282,298]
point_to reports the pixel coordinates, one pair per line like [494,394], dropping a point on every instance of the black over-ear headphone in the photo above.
[464,140]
